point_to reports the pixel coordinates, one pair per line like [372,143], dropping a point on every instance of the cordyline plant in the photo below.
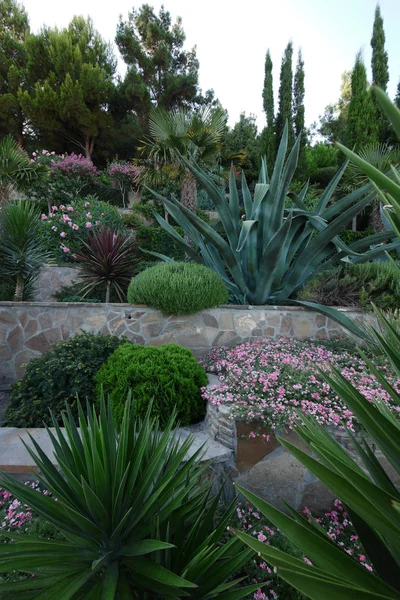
[136,513]
[267,257]
[365,486]
[107,259]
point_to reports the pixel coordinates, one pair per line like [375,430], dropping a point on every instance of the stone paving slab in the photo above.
[15,459]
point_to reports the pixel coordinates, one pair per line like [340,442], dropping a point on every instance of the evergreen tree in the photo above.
[298,109]
[243,138]
[285,105]
[159,72]
[268,133]
[72,70]
[380,71]
[397,98]
[333,123]
[362,126]
[14,28]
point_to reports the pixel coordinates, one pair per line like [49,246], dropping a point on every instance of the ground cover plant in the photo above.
[168,377]
[268,380]
[57,377]
[178,288]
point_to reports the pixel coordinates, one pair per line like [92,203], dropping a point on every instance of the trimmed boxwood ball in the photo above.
[178,288]
[57,377]
[169,376]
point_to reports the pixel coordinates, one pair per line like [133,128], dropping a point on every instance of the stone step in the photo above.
[16,460]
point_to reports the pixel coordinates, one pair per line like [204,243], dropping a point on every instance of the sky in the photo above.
[232,38]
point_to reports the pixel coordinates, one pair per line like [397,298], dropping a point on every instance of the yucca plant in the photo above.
[267,257]
[22,247]
[16,169]
[107,259]
[136,513]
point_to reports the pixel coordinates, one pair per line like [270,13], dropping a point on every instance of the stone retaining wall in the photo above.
[29,329]
[51,279]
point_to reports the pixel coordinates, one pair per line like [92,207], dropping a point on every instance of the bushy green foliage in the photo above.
[178,288]
[155,239]
[357,286]
[322,176]
[349,236]
[204,202]
[168,376]
[57,377]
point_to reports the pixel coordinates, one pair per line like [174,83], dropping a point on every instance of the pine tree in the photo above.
[362,126]
[380,71]
[72,70]
[268,103]
[285,106]
[159,72]
[298,108]
[14,28]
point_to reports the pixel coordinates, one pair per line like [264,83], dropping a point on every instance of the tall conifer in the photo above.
[362,126]
[298,107]
[380,71]
[285,107]
[268,103]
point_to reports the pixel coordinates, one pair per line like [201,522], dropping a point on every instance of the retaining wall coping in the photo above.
[263,307]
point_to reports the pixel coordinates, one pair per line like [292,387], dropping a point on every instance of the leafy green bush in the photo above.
[357,286]
[155,239]
[57,377]
[168,376]
[204,202]
[348,236]
[178,288]
[323,176]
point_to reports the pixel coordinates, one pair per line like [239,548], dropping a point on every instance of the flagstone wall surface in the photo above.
[29,329]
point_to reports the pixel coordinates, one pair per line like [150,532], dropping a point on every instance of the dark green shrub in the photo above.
[349,236]
[156,239]
[204,202]
[357,286]
[169,376]
[57,377]
[178,288]
[323,176]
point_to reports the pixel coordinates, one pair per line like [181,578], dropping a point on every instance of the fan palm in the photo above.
[22,247]
[16,169]
[182,133]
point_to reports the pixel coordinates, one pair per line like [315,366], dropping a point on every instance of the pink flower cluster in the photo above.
[266,380]
[118,169]
[16,515]
[74,165]
[336,523]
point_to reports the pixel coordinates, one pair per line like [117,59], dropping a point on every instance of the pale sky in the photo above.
[232,38]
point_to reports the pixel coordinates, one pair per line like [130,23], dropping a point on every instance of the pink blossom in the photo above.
[43,217]
[63,234]
[88,225]
[75,227]
[54,228]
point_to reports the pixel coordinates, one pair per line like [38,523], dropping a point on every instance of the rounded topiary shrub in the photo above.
[178,288]
[168,376]
[57,377]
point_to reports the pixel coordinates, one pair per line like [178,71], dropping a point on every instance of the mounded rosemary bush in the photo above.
[357,286]
[57,377]
[178,288]
[169,376]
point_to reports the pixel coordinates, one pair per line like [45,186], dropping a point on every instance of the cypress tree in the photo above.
[397,98]
[285,107]
[362,126]
[380,71]
[268,103]
[298,107]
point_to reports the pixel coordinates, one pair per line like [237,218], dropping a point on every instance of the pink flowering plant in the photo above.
[266,381]
[336,523]
[122,176]
[67,226]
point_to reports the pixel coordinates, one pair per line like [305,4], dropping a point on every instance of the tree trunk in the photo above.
[189,191]
[89,146]
[108,293]
[20,140]
[19,289]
